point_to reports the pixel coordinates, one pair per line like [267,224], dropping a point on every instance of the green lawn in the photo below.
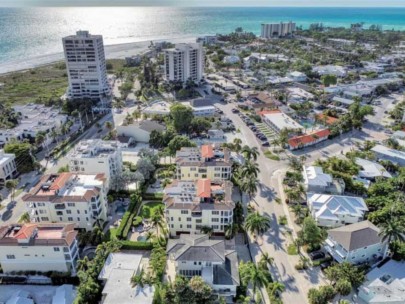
[292,249]
[271,156]
[149,208]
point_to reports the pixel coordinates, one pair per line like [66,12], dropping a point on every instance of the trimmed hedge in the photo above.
[126,221]
[152,196]
[131,245]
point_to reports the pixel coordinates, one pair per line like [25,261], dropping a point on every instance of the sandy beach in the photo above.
[115,51]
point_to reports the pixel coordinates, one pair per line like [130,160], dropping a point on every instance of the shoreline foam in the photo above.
[112,51]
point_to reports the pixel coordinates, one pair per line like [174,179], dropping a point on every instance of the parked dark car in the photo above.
[263,138]
[235,111]
[265,144]
[325,265]
[316,255]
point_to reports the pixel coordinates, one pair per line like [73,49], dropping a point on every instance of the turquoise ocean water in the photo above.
[29,32]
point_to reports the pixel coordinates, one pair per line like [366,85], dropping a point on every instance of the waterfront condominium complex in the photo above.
[191,205]
[203,162]
[97,156]
[39,247]
[8,167]
[69,197]
[185,61]
[86,67]
[274,30]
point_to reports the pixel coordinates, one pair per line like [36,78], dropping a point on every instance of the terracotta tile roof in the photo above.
[207,151]
[60,181]
[26,231]
[269,112]
[204,188]
[307,138]
[329,119]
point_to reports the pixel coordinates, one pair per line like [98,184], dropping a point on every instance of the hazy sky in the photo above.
[334,3]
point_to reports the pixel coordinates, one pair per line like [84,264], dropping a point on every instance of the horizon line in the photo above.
[202,6]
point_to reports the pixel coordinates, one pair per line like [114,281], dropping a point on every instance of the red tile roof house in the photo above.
[307,140]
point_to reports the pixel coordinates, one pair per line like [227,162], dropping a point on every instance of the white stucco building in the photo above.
[336,210]
[213,260]
[356,243]
[39,247]
[185,61]
[86,66]
[316,181]
[97,156]
[69,197]
[33,119]
[8,168]
[140,130]
[191,205]
[274,30]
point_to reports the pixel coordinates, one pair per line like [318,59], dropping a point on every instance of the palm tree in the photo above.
[109,125]
[392,230]
[24,218]
[300,213]
[250,153]
[250,168]
[207,230]
[266,260]
[82,264]
[250,273]
[257,224]
[275,288]
[237,145]
[231,230]
[11,184]
[157,222]
[249,185]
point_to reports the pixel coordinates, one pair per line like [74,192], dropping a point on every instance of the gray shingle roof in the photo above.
[356,236]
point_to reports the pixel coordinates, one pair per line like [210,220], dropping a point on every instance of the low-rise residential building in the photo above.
[371,170]
[316,181]
[8,167]
[385,153]
[297,95]
[399,136]
[344,102]
[306,140]
[384,284]
[297,76]
[203,162]
[32,120]
[207,40]
[191,205]
[202,107]
[356,243]
[116,275]
[213,260]
[140,130]
[97,156]
[69,197]
[278,121]
[231,59]
[39,247]
[161,108]
[335,70]
[336,210]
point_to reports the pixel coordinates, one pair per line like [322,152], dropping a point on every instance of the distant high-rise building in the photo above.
[86,67]
[273,30]
[185,61]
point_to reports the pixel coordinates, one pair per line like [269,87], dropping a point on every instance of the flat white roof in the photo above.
[281,121]
[118,270]
[80,186]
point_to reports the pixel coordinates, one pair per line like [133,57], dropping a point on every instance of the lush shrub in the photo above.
[137,221]
[120,231]
[131,245]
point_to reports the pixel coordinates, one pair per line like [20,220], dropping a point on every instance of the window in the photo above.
[78,219]
[179,219]
[214,226]
[184,211]
[172,226]
[41,204]
[215,220]
[188,219]
[59,212]
[56,249]
[68,211]
[189,226]
[71,204]
[44,219]
[215,212]
[181,226]
[10,256]
[70,219]
[78,211]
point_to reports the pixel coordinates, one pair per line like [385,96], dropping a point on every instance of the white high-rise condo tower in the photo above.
[273,30]
[185,61]
[86,67]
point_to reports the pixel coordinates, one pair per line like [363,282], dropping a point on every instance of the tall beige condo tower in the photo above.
[86,67]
